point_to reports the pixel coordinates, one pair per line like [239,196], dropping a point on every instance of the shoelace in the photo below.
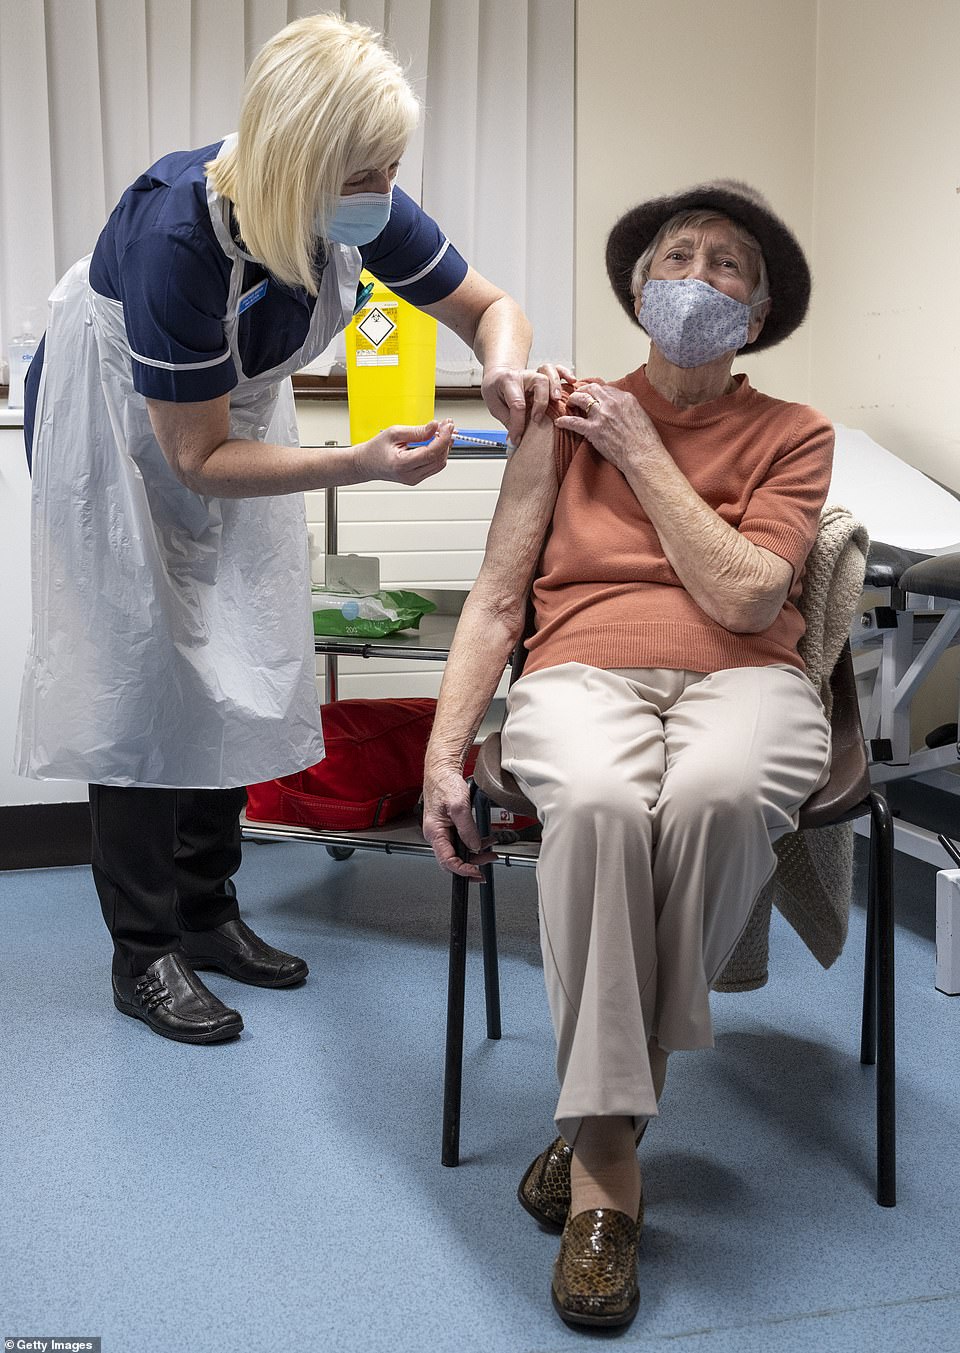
[152,992]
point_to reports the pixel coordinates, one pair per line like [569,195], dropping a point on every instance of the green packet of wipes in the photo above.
[367,616]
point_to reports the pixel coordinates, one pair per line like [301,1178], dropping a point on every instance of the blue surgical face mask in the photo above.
[691,322]
[359,217]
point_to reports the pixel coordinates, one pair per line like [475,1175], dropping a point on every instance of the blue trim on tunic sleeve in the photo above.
[159,256]
[408,245]
[174,286]
[184,387]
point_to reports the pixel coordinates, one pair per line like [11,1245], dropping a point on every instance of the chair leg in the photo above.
[488,926]
[868,1019]
[456,985]
[882,843]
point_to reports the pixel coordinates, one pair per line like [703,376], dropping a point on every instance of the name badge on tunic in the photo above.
[251,297]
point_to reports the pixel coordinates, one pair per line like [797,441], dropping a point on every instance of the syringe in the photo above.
[492,442]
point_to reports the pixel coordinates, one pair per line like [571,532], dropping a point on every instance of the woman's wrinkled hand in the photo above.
[391,456]
[515,396]
[612,421]
[448,818]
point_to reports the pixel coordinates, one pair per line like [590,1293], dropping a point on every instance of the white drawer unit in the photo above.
[428,538]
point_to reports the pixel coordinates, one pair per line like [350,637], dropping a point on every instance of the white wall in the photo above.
[846,114]
[671,93]
[885,337]
[886,325]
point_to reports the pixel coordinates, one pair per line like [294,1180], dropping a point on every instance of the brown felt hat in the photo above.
[786,265]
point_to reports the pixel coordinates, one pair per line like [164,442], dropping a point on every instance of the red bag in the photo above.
[372,771]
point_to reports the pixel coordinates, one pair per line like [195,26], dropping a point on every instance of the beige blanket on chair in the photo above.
[812,883]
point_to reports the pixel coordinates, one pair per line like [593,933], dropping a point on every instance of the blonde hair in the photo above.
[323,100]
[696,220]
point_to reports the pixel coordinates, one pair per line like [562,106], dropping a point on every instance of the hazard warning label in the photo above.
[377,340]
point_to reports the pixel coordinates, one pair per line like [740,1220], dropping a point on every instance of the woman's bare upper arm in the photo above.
[523,513]
[189,433]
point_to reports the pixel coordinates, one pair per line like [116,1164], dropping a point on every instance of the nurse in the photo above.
[171,660]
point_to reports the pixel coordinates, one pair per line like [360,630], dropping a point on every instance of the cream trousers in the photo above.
[661,794]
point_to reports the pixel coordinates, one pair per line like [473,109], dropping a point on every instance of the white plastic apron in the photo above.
[172,638]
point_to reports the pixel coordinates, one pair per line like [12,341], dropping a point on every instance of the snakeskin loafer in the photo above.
[544,1190]
[595,1274]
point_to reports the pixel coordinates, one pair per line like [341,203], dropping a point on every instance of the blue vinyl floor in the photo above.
[284,1192]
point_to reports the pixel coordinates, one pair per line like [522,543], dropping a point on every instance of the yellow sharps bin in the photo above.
[391,363]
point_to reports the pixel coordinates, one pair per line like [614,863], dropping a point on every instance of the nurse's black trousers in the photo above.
[163,860]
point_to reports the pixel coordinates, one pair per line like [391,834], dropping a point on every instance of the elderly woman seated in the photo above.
[663,725]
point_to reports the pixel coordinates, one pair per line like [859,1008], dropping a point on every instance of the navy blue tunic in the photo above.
[159,256]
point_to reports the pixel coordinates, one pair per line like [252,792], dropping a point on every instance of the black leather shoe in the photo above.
[170,997]
[233,948]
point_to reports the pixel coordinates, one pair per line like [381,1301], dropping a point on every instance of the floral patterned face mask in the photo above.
[691,322]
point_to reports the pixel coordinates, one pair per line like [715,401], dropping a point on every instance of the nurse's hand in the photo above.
[514,396]
[390,454]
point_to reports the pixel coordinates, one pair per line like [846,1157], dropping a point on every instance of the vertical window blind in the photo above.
[92,91]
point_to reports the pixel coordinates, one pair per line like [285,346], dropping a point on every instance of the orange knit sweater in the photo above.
[607,596]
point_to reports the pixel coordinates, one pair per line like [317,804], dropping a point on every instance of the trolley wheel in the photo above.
[340,852]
